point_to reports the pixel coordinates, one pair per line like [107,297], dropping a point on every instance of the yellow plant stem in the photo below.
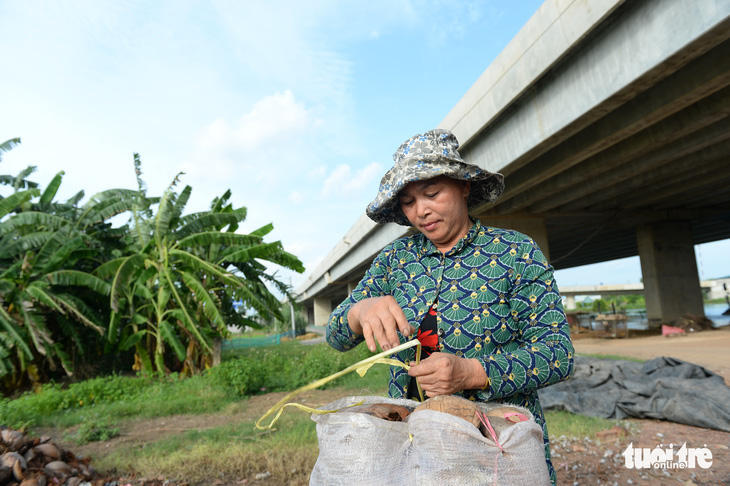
[361,367]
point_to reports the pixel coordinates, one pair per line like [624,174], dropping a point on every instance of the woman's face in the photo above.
[437,208]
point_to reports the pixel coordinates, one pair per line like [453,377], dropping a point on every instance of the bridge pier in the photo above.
[322,310]
[351,287]
[570,302]
[669,270]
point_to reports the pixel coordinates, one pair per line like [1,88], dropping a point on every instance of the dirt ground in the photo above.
[585,461]
[141,431]
[591,461]
[578,461]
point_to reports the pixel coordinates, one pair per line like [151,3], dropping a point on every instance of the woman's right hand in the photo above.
[379,319]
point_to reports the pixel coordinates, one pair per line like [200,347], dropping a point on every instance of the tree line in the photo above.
[79,296]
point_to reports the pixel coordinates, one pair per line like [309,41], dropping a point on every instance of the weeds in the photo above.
[237,452]
[256,371]
[572,425]
[95,429]
[613,356]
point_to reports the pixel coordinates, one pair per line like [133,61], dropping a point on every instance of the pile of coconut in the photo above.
[32,461]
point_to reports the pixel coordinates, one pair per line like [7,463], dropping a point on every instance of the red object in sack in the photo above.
[669,330]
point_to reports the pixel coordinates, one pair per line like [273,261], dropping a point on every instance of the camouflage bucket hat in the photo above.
[426,156]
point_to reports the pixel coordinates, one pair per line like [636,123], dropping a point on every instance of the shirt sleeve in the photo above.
[375,283]
[545,353]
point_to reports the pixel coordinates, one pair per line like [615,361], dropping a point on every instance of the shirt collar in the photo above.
[428,248]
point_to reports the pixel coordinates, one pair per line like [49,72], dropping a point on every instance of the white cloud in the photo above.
[343,181]
[264,98]
[273,119]
[271,146]
[317,172]
[297,197]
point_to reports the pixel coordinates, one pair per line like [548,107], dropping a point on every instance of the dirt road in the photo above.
[710,349]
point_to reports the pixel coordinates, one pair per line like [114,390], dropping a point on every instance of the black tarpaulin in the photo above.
[662,388]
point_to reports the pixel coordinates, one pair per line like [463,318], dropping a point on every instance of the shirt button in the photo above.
[440,332]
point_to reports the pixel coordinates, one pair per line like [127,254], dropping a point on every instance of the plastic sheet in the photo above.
[663,388]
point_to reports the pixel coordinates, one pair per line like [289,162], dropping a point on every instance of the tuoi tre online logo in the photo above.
[659,457]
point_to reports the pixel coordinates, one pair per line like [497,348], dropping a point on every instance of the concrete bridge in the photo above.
[609,120]
[571,291]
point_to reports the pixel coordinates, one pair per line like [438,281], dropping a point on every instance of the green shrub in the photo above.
[319,363]
[259,370]
[282,368]
[94,429]
[268,369]
[51,398]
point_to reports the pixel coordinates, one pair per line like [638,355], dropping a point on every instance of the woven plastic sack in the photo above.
[429,447]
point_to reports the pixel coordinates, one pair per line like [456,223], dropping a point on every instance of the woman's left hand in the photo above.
[446,374]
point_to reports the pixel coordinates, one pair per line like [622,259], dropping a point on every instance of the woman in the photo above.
[482,300]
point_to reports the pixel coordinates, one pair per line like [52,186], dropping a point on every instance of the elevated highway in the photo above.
[571,291]
[609,120]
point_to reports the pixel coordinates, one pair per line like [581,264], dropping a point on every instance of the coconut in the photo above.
[503,412]
[29,455]
[37,479]
[385,411]
[49,451]
[12,438]
[58,469]
[18,471]
[5,473]
[14,461]
[498,424]
[457,406]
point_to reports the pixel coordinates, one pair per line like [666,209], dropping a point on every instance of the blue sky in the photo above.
[294,106]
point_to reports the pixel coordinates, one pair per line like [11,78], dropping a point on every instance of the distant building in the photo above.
[720,288]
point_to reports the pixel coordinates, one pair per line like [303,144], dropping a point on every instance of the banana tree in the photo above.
[175,290]
[19,181]
[39,280]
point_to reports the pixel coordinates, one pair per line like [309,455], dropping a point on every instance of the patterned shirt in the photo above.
[495,300]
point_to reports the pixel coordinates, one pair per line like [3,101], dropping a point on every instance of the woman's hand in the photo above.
[446,374]
[379,319]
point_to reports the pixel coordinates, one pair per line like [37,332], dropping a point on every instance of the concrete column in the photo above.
[669,270]
[570,302]
[217,348]
[351,287]
[529,224]
[322,310]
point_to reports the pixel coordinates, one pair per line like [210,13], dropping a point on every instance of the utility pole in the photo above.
[291,307]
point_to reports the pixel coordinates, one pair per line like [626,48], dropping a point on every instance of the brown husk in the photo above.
[457,406]
[385,411]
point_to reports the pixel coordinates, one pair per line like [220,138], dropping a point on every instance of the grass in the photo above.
[562,423]
[54,407]
[236,451]
[245,373]
[612,356]
[285,347]
[375,382]
[240,451]
[192,396]
[95,429]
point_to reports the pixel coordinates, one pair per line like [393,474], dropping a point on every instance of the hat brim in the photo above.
[385,208]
